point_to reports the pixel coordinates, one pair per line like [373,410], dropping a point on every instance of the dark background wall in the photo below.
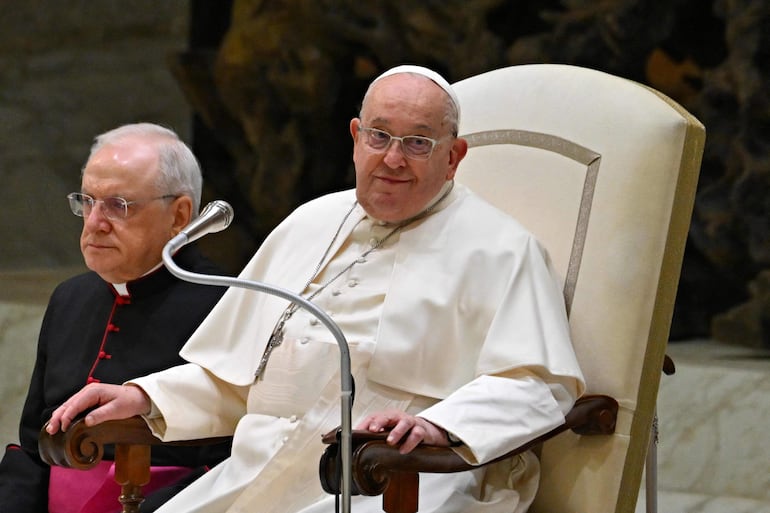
[264,92]
[68,71]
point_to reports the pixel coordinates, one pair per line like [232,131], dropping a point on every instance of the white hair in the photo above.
[179,172]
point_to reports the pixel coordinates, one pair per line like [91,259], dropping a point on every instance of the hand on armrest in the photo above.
[404,430]
[110,402]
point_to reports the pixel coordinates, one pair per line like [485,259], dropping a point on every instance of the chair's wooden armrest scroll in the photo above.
[375,463]
[591,415]
[82,447]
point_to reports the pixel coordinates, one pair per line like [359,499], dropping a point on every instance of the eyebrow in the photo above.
[84,191]
[386,122]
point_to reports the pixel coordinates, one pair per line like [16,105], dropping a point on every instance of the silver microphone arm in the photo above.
[346,377]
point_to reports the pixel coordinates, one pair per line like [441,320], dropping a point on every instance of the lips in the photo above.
[99,246]
[391,180]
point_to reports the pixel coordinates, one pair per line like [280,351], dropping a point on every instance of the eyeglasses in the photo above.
[413,146]
[114,208]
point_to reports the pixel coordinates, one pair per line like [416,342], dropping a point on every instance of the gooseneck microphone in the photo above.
[217,216]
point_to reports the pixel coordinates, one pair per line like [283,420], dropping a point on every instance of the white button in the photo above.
[361,260]
[293,419]
[336,292]
[314,321]
[304,340]
[373,242]
[285,439]
[352,283]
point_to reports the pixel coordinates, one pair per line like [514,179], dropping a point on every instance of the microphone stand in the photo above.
[346,377]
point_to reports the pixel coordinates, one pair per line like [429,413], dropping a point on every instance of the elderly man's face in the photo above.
[120,250]
[389,185]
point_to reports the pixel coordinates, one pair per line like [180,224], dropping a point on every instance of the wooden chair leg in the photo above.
[132,471]
[401,494]
[651,470]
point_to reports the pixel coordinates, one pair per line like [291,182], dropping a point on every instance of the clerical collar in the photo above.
[434,205]
[122,288]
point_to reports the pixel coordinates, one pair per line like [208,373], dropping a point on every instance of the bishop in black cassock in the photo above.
[93,333]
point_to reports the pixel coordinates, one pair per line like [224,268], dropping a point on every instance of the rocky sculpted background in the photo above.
[279,88]
[273,85]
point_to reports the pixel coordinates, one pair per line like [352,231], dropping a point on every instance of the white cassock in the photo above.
[455,317]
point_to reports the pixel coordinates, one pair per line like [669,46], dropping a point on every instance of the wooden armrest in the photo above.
[82,447]
[378,468]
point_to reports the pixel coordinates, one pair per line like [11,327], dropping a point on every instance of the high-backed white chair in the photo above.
[603,171]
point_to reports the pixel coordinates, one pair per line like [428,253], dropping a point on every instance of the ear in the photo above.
[182,211]
[354,124]
[456,155]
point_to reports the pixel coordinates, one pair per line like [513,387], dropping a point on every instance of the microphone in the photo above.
[215,217]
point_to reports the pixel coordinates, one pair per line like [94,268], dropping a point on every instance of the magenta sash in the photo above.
[95,490]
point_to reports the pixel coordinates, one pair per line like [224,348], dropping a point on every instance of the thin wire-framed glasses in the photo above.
[413,146]
[114,208]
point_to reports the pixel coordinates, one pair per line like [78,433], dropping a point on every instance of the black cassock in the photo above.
[91,333]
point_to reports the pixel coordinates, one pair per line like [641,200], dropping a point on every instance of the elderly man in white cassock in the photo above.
[456,326]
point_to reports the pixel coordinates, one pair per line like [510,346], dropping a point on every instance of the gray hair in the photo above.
[179,172]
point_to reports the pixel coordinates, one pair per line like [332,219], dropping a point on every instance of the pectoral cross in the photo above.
[276,338]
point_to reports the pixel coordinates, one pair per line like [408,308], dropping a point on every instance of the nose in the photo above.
[394,155]
[95,218]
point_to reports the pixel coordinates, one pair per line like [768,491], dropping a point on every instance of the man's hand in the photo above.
[408,429]
[113,401]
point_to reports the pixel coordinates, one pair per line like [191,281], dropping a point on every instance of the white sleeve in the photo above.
[189,403]
[492,415]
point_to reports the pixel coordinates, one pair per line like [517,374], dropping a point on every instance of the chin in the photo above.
[387,215]
[383,209]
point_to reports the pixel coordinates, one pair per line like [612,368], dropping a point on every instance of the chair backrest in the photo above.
[603,171]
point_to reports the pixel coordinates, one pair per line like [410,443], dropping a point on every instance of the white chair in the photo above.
[603,171]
